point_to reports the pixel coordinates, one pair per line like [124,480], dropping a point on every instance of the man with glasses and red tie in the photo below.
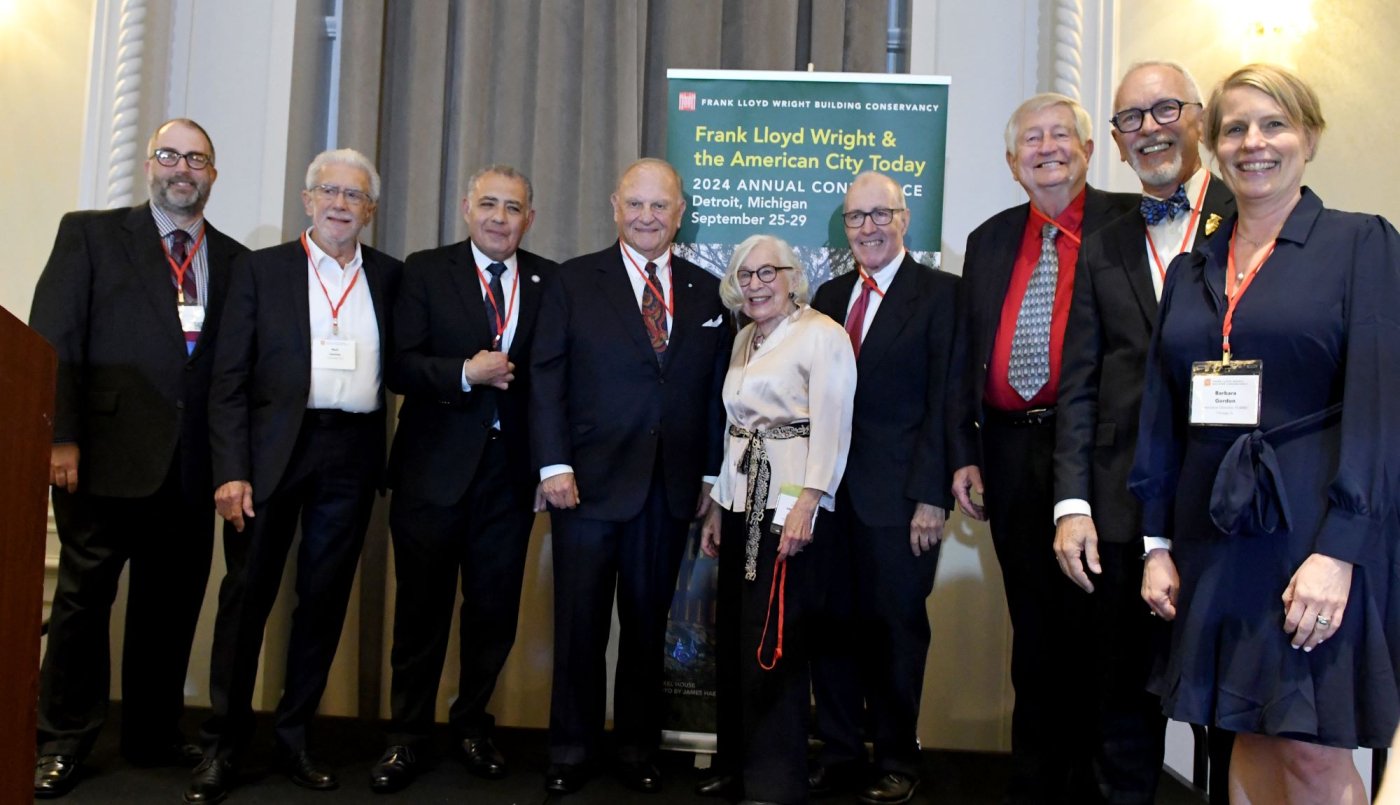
[1018,279]
[297,428]
[892,502]
[130,299]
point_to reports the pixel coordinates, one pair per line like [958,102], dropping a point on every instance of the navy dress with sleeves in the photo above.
[1323,314]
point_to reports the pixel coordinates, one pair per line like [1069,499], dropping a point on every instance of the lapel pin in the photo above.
[534,277]
[1212,224]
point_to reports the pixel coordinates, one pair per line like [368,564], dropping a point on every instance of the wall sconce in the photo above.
[1267,30]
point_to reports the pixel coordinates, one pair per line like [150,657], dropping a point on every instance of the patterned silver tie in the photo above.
[1029,368]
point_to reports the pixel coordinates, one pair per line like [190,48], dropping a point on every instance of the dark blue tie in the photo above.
[1154,211]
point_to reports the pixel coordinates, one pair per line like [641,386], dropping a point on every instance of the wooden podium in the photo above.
[27,375]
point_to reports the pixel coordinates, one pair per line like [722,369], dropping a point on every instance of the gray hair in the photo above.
[1193,90]
[1083,124]
[732,294]
[507,171]
[344,156]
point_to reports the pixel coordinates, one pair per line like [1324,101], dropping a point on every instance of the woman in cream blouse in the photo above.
[788,396]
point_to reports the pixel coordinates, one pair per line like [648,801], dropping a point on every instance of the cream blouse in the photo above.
[804,370]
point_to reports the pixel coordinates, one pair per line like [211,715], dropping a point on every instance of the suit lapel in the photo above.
[687,308]
[531,293]
[299,298]
[1000,268]
[468,285]
[1219,201]
[617,289]
[898,303]
[1129,238]
[147,260]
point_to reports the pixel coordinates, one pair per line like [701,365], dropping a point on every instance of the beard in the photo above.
[1158,176]
[179,201]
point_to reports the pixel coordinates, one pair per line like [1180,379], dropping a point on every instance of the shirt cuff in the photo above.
[710,479]
[1070,506]
[465,385]
[1149,544]
[552,470]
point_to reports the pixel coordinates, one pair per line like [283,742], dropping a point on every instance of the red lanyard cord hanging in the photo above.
[1074,236]
[335,306]
[667,301]
[503,322]
[179,269]
[1190,230]
[1233,294]
[779,588]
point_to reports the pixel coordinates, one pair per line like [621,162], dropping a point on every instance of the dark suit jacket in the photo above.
[898,456]
[128,391]
[991,256]
[440,321]
[262,368]
[1105,356]
[599,400]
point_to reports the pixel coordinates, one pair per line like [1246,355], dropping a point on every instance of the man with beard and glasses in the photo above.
[129,299]
[1118,281]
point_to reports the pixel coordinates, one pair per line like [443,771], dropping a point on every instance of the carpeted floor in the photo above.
[351,746]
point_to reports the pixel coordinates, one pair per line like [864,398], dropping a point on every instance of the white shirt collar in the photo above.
[482,261]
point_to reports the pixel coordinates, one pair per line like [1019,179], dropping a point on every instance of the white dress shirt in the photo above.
[357,390]
[883,276]
[510,305]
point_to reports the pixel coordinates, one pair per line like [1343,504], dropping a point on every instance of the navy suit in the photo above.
[133,399]
[640,434]
[306,467]
[897,459]
[463,489]
[1049,736]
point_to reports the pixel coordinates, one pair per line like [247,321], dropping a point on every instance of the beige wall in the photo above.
[1348,56]
[43,79]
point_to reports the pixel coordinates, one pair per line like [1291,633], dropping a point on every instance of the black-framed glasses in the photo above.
[1167,110]
[353,196]
[169,157]
[880,215]
[765,274]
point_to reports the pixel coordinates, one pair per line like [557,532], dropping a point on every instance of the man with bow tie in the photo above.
[463,501]
[1098,539]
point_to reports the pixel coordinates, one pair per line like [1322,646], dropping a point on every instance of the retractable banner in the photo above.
[774,153]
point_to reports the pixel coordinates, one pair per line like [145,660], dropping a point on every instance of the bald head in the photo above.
[878,201]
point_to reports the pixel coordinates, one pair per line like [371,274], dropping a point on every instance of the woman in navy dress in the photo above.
[1281,573]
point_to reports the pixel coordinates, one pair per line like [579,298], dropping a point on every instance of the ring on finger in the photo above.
[1324,621]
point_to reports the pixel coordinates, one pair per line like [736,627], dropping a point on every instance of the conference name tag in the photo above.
[333,353]
[1226,394]
[787,498]
[191,318]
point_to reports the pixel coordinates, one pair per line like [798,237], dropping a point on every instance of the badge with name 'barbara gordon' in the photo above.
[1226,394]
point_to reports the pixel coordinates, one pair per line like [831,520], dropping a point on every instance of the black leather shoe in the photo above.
[55,775]
[394,771]
[178,753]
[211,783]
[891,789]
[565,778]
[826,778]
[640,776]
[483,759]
[720,785]
[303,770]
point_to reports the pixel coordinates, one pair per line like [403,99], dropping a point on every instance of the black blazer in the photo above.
[991,256]
[440,321]
[128,391]
[1105,355]
[599,400]
[898,456]
[262,367]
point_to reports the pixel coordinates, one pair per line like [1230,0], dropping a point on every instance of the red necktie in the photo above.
[855,320]
[179,250]
[654,313]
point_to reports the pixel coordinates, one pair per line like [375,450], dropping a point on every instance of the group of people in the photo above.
[1180,534]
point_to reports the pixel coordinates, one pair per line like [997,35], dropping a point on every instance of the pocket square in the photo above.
[715,322]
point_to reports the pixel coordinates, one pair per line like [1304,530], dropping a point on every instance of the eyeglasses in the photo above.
[765,274]
[880,215]
[169,157]
[1165,111]
[353,197]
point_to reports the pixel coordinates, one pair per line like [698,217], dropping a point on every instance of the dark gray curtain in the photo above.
[569,91]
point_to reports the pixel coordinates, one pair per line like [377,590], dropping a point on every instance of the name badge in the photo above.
[191,318]
[332,353]
[1226,394]
[787,498]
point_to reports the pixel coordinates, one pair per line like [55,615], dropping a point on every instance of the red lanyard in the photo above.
[778,587]
[503,321]
[665,300]
[1190,230]
[869,281]
[335,306]
[179,269]
[1233,294]
[1074,236]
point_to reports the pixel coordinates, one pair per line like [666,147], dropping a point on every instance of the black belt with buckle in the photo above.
[335,418]
[1030,416]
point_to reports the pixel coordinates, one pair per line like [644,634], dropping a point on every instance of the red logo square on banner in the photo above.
[687,102]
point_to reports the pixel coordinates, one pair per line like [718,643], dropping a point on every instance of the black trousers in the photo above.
[870,665]
[483,537]
[594,560]
[167,539]
[1051,648]
[763,714]
[328,489]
